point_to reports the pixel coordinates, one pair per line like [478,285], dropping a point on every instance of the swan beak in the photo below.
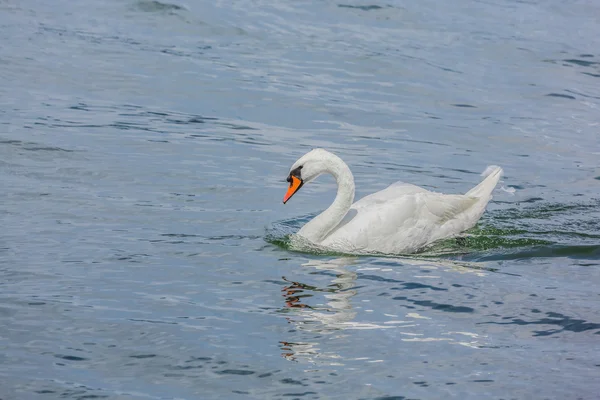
[295,185]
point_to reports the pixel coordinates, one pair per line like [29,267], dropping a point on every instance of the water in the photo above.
[144,149]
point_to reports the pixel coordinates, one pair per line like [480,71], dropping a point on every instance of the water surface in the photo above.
[143,155]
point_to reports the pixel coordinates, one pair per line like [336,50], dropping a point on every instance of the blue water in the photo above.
[144,147]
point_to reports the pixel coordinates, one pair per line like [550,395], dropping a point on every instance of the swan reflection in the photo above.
[337,313]
[333,317]
[323,317]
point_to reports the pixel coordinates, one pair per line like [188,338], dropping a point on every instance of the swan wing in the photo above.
[411,198]
[410,221]
[391,193]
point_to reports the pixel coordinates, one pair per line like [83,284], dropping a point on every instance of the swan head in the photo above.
[307,168]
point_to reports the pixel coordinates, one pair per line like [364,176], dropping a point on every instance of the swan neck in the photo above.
[323,224]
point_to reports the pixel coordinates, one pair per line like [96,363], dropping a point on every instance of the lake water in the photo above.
[144,147]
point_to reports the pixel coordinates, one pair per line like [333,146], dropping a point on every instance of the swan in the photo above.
[400,219]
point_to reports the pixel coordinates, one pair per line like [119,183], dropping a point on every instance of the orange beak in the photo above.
[295,184]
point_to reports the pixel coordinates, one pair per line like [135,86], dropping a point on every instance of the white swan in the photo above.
[400,219]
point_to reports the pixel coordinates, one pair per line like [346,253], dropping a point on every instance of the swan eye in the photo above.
[296,172]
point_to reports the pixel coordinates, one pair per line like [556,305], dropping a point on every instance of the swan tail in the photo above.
[492,175]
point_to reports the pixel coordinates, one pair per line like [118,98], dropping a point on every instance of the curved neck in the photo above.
[319,227]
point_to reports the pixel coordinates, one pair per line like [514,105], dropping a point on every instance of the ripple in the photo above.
[437,306]
[564,96]
[158,6]
[235,372]
[362,8]
[70,358]
[566,323]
